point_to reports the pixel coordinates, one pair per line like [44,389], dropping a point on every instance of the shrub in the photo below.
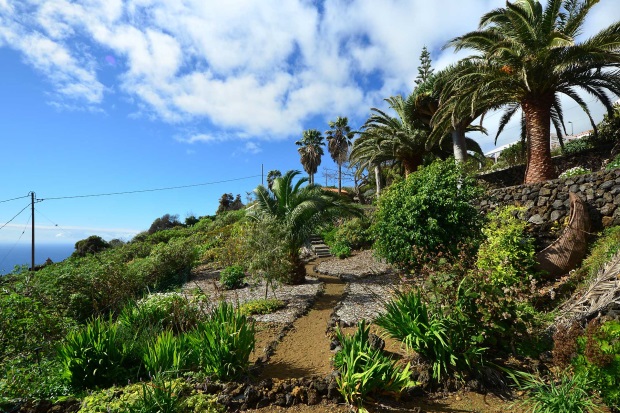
[605,247]
[162,311]
[271,264]
[578,145]
[340,250]
[609,128]
[19,380]
[261,306]
[221,346]
[431,210]
[615,163]
[448,343]
[355,232]
[513,155]
[93,356]
[598,359]
[568,395]
[576,171]
[507,253]
[158,396]
[232,277]
[364,370]
[90,245]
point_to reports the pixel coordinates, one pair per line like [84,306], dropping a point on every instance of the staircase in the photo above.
[318,246]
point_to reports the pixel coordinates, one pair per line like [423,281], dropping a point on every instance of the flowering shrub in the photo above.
[577,170]
[615,163]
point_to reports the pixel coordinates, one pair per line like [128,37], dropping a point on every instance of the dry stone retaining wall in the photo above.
[547,202]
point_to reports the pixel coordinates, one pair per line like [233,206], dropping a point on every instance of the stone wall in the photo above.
[592,159]
[547,202]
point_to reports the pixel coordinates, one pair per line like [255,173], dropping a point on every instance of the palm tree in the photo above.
[300,209]
[311,151]
[339,138]
[425,102]
[527,57]
[271,176]
[401,138]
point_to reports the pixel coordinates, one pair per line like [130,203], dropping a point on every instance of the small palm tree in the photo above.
[311,150]
[300,210]
[339,138]
[527,56]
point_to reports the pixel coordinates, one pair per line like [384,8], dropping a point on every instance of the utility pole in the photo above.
[262,174]
[32,208]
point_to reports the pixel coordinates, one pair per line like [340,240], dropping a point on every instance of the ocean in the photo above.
[19,254]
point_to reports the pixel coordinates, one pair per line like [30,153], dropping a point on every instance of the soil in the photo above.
[304,352]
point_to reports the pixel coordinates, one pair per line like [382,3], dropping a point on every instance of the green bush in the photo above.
[449,343]
[615,163]
[162,311]
[221,346]
[364,370]
[430,211]
[94,356]
[513,155]
[340,250]
[603,249]
[507,253]
[598,359]
[158,396]
[567,395]
[20,379]
[261,306]
[578,145]
[232,277]
[355,232]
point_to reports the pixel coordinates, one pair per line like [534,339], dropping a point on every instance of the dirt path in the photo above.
[304,351]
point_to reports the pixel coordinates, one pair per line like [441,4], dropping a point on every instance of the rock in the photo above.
[607,185]
[313,397]
[376,342]
[608,209]
[251,395]
[555,215]
[535,219]
[289,400]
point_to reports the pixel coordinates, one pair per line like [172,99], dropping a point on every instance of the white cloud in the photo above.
[255,69]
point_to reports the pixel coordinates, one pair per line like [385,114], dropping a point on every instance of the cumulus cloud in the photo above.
[255,69]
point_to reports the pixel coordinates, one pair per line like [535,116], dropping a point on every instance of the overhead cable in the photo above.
[145,190]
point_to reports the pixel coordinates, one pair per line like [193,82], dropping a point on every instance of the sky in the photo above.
[111,96]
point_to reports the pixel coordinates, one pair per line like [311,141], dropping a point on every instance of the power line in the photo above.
[16,215]
[16,242]
[13,199]
[146,190]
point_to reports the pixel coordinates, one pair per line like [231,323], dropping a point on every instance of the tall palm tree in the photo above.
[424,103]
[527,56]
[402,138]
[339,138]
[271,176]
[300,210]
[310,149]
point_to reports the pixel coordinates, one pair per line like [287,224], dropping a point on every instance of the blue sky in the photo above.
[102,96]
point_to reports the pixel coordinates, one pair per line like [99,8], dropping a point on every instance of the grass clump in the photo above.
[568,394]
[221,346]
[446,342]
[365,370]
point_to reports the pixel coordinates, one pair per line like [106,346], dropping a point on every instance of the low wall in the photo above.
[592,159]
[547,203]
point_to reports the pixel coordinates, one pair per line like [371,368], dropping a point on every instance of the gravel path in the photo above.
[369,283]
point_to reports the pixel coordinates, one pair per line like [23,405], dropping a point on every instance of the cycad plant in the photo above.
[299,210]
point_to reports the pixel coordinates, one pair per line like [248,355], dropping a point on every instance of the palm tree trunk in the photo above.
[378,180]
[411,165]
[538,126]
[339,178]
[459,145]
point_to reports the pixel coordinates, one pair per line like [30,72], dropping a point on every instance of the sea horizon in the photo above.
[12,255]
